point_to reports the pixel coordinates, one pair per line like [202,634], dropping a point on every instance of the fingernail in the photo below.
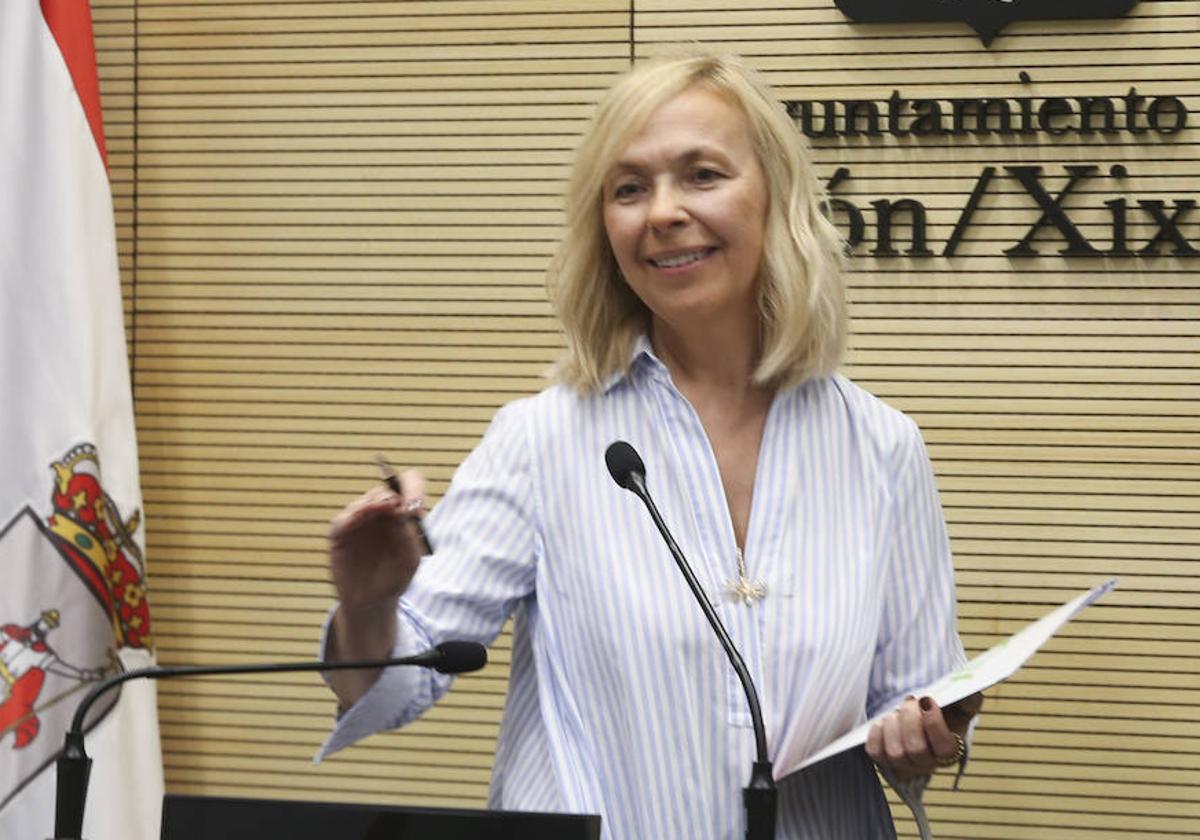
[926,703]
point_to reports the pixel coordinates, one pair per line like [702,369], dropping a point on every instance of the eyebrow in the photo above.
[688,156]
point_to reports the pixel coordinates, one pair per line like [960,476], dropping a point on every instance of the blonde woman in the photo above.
[700,292]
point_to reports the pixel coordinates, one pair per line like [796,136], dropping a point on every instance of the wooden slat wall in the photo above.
[343,215]
[334,224]
[1058,397]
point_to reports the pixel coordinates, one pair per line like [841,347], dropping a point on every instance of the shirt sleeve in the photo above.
[918,641]
[484,534]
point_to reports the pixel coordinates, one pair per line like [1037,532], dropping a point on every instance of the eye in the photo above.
[626,190]
[704,175]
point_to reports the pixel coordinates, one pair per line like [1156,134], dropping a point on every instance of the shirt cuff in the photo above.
[378,708]
[912,791]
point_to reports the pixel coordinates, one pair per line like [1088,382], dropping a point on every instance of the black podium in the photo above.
[219,818]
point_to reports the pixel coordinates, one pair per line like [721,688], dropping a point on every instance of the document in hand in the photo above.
[990,667]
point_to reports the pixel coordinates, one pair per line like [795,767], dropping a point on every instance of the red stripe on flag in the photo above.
[70,23]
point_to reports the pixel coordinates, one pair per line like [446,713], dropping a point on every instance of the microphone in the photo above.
[74,765]
[759,796]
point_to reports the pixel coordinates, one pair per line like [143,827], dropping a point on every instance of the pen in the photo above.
[393,483]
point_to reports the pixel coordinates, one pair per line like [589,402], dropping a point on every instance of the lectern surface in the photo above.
[219,818]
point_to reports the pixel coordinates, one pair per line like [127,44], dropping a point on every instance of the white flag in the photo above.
[73,604]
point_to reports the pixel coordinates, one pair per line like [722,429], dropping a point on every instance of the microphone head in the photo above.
[460,657]
[624,464]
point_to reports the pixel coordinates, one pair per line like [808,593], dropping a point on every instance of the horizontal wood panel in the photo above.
[334,223]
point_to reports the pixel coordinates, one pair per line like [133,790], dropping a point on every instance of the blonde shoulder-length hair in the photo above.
[801,296]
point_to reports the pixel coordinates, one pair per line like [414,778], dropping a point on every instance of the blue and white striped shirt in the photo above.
[621,701]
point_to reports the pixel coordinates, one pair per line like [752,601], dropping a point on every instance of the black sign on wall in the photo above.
[987,17]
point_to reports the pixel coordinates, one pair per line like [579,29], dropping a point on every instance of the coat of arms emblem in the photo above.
[73,594]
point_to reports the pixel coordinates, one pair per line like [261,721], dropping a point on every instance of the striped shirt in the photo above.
[620,700]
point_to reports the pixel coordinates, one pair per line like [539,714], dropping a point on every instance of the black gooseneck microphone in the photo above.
[759,796]
[74,765]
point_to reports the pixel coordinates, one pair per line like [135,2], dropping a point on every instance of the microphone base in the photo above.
[760,798]
[74,768]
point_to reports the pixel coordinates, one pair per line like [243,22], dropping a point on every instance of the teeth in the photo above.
[680,259]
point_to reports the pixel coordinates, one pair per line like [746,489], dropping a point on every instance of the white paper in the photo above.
[990,667]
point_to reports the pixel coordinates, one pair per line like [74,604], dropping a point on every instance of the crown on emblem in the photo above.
[89,530]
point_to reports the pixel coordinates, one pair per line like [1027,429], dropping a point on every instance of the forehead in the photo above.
[696,120]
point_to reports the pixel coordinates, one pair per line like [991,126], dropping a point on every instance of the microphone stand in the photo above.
[74,765]
[760,795]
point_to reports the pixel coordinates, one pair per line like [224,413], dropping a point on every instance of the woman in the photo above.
[699,288]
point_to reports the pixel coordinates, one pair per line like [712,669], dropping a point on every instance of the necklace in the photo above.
[742,589]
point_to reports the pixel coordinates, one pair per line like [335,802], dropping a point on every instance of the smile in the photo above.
[680,260]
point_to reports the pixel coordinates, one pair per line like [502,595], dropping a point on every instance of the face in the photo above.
[685,210]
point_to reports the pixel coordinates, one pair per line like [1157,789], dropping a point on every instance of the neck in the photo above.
[714,357]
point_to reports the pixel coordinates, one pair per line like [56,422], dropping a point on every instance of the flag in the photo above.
[73,605]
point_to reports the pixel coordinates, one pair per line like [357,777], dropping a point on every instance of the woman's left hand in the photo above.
[917,738]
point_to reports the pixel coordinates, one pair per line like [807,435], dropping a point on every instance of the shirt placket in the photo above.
[715,557]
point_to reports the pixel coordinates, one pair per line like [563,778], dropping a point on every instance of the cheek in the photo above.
[752,209]
[736,216]
[751,221]
[622,233]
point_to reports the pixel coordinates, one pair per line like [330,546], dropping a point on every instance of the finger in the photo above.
[372,496]
[370,502]
[414,509]
[894,748]
[912,730]
[370,505]
[414,486]
[875,742]
[937,731]
[910,736]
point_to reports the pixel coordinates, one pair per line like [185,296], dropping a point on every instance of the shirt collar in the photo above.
[641,360]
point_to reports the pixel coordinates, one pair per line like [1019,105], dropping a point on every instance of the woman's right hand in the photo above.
[374,546]
[374,551]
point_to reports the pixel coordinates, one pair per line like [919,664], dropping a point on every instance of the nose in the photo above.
[666,209]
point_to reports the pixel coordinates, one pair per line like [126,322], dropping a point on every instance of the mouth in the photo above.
[680,259]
